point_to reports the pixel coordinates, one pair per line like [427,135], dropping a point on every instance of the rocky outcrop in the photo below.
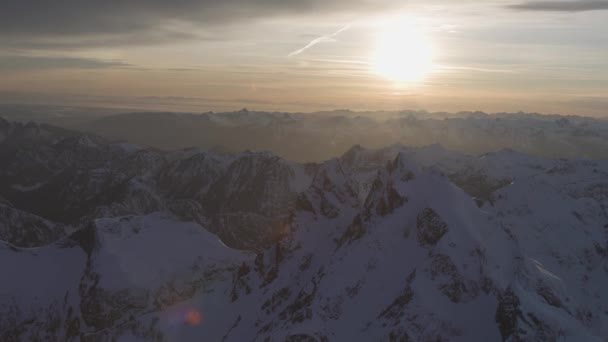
[430,227]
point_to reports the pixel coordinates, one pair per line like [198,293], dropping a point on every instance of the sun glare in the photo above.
[403,54]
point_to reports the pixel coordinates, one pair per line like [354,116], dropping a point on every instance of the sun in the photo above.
[403,54]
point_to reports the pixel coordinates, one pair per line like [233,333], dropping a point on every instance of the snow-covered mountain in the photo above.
[109,241]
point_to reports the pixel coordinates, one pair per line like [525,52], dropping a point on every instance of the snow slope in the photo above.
[395,244]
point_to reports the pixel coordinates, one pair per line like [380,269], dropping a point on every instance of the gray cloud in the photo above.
[34,62]
[562,6]
[65,42]
[40,23]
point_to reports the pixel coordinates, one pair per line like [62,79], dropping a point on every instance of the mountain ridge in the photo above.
[398,244]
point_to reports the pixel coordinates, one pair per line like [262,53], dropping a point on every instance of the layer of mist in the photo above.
[313,137]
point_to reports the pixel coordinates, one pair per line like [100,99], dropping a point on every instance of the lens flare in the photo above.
[193,317]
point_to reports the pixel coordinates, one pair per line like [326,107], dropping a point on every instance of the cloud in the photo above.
[35,62]
[475,69]
[95,22]
[322,39]
[561,6]
[130,39]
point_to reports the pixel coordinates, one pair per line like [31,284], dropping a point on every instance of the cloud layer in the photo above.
[562,6]
[17,63]
[66,22]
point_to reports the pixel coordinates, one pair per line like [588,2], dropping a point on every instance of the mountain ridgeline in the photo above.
[315,137]
[114,241]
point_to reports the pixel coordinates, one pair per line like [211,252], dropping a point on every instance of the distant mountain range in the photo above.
[106,240]
[315,137]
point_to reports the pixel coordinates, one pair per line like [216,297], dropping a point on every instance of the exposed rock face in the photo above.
[508,313]
[247,199]
[23,229]
[254,192]
[430,227]
[375,245]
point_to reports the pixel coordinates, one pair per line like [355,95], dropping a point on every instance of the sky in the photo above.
[308,55]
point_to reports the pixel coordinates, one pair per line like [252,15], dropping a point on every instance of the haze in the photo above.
[549,56]
[304,170]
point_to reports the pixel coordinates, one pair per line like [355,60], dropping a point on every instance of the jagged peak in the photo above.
[84,140]
[85,238]
[403,163]
[353,152]
[509,155]
[434,148]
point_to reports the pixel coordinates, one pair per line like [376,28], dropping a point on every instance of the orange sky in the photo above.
[491,56]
